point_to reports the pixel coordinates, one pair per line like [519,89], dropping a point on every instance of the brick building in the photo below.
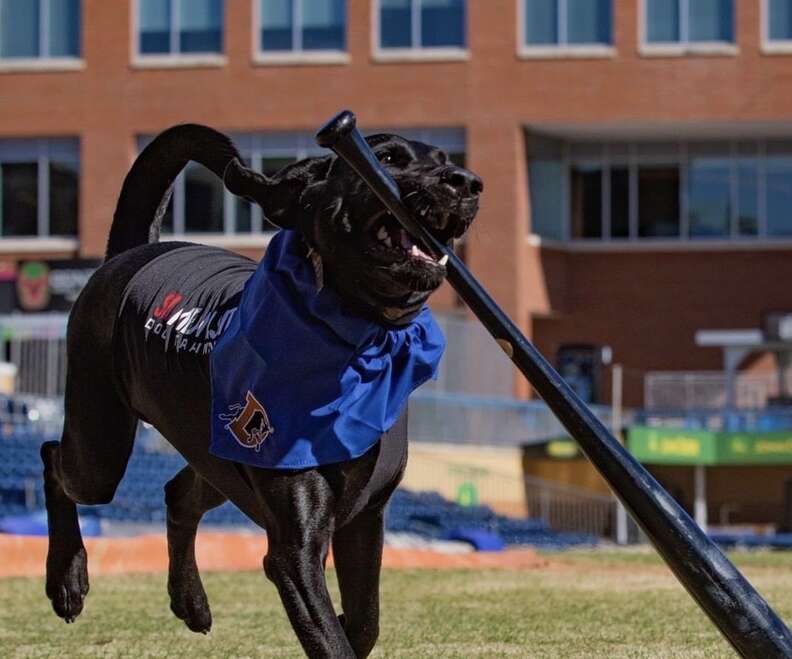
[637,154]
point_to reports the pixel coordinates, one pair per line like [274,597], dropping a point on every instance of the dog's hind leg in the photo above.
[67,564]
[188,497]
[357,554]
[85,467]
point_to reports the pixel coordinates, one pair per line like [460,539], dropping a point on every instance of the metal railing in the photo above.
[699,390]
[465,419]
[36,344]
[762,420]
[569,508]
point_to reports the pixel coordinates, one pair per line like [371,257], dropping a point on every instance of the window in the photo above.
[779,20]
[546,176]
[747,192]
[619,200]
[200,204]
[688,21]
[39,29]
[179,27]
[656,190]
[586,200]
[422,24]
[302,25]
[779,196]
[709,193]
[39,185]
[658,201]
[566,23]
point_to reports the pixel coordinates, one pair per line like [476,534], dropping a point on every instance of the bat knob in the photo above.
[337,128]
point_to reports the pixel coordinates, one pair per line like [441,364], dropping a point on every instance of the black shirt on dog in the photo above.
[175,308]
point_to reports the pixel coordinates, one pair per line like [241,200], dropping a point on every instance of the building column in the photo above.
[496,243]
[106,154]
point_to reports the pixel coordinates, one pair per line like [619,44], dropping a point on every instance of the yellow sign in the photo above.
[561,449]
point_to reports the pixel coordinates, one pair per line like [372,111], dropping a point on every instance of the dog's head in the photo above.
[365,254]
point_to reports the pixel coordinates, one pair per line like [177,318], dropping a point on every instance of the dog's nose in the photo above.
[463,181]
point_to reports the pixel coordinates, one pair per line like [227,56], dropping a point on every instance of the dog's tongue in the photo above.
[413,249]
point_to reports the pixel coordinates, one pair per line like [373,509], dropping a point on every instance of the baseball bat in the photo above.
[734,606]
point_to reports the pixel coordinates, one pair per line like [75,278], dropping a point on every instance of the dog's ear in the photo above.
[278,195]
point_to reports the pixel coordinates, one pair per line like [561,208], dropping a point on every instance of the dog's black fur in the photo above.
[363,253]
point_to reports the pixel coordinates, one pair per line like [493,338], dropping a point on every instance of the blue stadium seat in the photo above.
[140,496]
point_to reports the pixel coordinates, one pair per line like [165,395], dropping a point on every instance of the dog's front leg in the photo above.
[299,528]
[357,553]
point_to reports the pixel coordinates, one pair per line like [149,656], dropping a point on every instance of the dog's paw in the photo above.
[192,608]
[67,583]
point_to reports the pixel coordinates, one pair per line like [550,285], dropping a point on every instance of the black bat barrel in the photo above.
[730,601]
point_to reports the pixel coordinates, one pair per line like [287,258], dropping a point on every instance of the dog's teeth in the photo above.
[414,251]
[382,234]
[444,260]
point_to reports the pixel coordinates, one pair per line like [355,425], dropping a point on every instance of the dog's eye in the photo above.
[395,158]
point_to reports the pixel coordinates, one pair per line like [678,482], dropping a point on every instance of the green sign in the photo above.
[702,447]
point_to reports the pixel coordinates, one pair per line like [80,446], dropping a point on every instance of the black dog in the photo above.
[135,352]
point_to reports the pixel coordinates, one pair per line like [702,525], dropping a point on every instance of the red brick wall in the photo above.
[648,305]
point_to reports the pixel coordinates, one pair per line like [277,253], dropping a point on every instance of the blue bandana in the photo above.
[297,381]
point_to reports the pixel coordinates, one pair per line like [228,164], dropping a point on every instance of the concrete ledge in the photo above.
[178,61]
[649,245]
[227,241]
[415,55]
[316,58]
[34,245]
[688,50]
[566,52]
[41,64]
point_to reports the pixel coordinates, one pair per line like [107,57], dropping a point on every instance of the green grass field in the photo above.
[584,604]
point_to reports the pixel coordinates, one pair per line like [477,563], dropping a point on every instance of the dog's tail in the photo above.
[147,187]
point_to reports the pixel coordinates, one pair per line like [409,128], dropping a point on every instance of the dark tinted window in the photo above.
[658,201]
[586,201]
[19,183]
[203,200]
[64,181]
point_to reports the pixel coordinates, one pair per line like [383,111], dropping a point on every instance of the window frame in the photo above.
[279,57]
[771,46]
[43,151]
[561,50]
[172,59]
[683,47]
[416,53]
[45,61]
[684,152]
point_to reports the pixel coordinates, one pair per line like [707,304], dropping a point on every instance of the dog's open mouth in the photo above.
[390,243]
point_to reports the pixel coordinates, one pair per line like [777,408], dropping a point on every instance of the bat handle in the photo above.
[336,129]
